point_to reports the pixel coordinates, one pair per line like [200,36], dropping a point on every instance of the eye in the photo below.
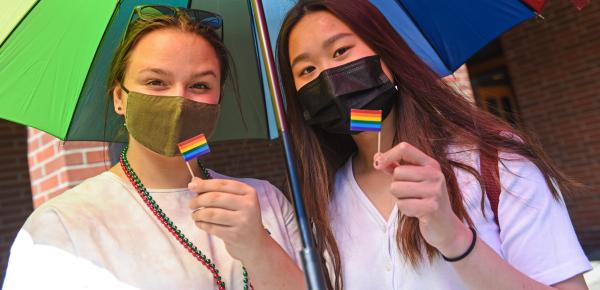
[340,51]
[201,86]
[155,83]
[307,70]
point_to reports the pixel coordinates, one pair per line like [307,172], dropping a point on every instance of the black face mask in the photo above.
[361,84]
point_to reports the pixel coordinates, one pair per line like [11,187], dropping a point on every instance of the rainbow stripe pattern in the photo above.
[365,120]
[194,147]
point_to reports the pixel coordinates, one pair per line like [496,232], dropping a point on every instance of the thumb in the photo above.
[381,162]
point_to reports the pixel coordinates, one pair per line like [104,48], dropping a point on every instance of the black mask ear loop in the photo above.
[123,88]
[396,139]
[395,82]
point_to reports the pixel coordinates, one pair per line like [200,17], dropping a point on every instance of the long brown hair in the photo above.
[429,115]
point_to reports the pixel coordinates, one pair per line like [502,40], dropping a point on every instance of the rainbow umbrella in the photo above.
[54,57]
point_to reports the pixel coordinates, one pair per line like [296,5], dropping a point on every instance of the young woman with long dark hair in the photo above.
[417,215]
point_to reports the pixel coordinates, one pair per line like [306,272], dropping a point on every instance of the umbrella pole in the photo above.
[313,271]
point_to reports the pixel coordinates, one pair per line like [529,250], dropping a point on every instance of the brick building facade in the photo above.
[15,188]
[553,65]
[550,85]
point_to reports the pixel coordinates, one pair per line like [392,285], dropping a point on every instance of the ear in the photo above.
[119,100]
[387,71]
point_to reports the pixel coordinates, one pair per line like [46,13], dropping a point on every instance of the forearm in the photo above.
[274,269]
[484,269]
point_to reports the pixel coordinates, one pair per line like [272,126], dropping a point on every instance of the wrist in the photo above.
[459,244]
[257,251]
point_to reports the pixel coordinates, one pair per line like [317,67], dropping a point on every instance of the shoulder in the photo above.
[52,221]
[104,187]
[509,164]
[522,183]
[465,154]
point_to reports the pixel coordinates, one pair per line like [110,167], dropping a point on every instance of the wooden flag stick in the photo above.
[190,169]
[379,142]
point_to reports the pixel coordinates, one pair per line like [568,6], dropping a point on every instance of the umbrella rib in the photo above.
[19,23]
[256,42]
[426,36]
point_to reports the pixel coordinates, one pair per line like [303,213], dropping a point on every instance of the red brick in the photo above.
[75,158]
[34,144]
[45,154]
[47,138]
[81,144]
[63,177]
[31,160]
[32,131]
[96,156]
[75,175]
[49,184]
[54,165]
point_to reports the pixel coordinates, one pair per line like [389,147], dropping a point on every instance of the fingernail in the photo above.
[377,159]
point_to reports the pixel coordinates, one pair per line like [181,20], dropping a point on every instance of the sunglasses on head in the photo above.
[203,18]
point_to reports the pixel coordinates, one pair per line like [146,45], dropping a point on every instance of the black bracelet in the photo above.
[469,250]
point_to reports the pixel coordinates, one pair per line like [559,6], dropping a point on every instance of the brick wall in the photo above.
[261,159]
[56,166]
[15,192]
[554,66]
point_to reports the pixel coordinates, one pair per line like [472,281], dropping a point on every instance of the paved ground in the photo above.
[593,277]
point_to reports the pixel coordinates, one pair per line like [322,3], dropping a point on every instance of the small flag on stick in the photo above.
[192,148]
[367,120]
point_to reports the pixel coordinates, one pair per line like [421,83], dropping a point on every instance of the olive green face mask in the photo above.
[160,122]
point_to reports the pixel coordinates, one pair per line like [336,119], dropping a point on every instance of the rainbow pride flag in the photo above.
[194,147]
[365,120]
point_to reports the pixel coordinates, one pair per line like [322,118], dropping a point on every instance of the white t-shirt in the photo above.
[536,235]
[100,235]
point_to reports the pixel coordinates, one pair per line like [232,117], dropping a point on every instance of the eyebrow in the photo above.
[166,73]
[299,58]
[330,41]
[155,70]
[327,43]
[205,73]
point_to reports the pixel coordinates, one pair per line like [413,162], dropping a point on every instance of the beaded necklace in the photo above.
[172,228]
